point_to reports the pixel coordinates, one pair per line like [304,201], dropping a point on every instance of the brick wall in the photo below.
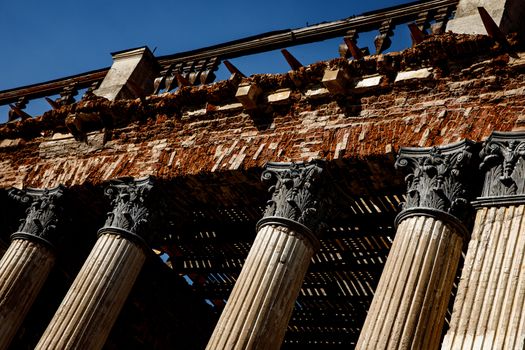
[448,88]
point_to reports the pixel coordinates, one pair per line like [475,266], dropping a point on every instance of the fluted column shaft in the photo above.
[410,302]
[23,270]
[94,300]
[29,258]
[261,303]
[92,304]
[488,309]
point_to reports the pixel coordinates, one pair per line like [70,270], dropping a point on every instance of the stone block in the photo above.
[423,73]
[131,75]
[247,95]
[368,82]
[316,91]
[280,96]
[335,80]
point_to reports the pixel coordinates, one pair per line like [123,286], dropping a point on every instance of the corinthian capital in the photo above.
[438,178]
[503,162]
[130,207]
[43,215]
[296,193]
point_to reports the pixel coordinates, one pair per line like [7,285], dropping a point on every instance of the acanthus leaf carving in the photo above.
[296,193]
[44,212]
[502,160]
[438,178]
[130,208]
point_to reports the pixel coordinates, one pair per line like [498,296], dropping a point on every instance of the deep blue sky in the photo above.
[44,40]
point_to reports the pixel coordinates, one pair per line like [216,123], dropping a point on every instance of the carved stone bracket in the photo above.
[43,216]
[298,198]
[503,163]
[438,178]
[382,41]
[130,208]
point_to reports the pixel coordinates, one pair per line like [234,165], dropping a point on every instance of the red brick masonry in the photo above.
[447,88]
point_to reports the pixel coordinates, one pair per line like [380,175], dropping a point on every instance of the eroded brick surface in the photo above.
[472,89]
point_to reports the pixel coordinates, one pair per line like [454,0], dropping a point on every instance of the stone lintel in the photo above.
[439,178]
[131,75]
[507,14]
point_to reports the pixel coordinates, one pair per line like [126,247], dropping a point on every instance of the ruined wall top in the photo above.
[445,88]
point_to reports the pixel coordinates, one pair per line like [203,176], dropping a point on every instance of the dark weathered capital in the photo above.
[130,208]
[438,180]
[297,196]
[43,215]
[502,160]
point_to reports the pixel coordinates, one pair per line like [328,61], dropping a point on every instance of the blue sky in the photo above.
[44,40]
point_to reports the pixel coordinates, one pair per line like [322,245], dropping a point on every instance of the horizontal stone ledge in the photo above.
[424,73]
[499,201]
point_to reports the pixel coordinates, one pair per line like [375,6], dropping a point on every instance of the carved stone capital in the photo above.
[297,196]
[130,208]
[43,215]
[439,178]
[503,163]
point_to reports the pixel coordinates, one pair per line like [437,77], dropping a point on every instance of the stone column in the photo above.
[409,305]
[488,309]
[29,258]
[94,300]
[261,303]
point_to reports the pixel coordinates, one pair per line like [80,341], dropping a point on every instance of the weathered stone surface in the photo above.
[410,301]
[297,194]
[130,208]
[248,94]
[488,309]
[130,76]
[24,269]
[279,97]
[507,14]
[335,80]
[44,214]
[96,296]
[503,163]
[422,73]
[368,82]
[261,303]
[439,178]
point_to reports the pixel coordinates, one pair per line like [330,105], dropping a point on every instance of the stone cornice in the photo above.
[43,215]
[439,178]
[296,195]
